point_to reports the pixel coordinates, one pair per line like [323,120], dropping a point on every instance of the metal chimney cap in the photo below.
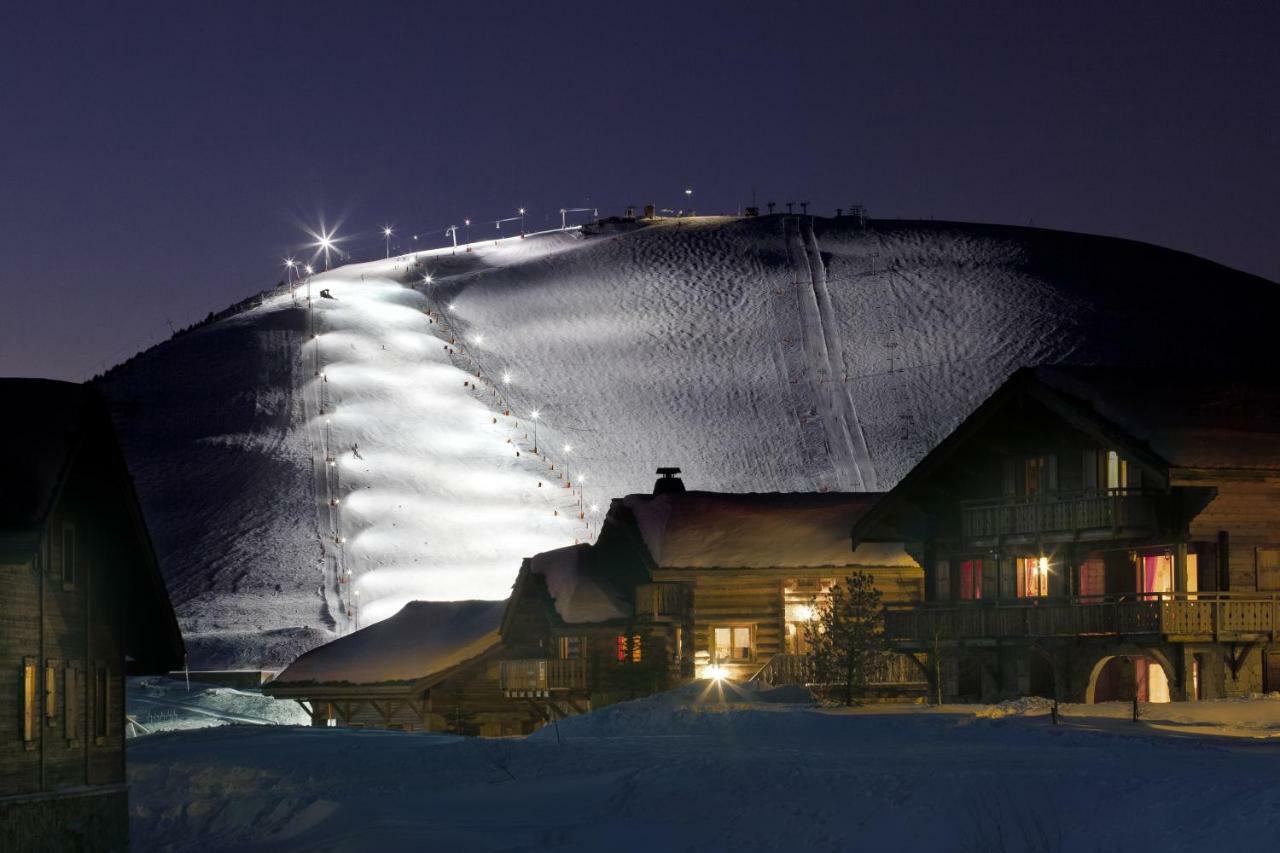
[668,472]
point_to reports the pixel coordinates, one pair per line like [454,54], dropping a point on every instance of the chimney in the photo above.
[668,483]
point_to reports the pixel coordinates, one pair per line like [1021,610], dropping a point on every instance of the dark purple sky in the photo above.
[157,160]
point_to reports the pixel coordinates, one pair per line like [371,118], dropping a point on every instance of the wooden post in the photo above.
[1180,567]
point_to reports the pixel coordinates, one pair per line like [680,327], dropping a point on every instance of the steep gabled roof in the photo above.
[59,433]
[46,423]
[1159,419]
[766,530]
[1204,420]
[424,639]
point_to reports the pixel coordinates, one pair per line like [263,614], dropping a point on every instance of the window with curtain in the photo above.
[732,643]
[1033,577]
[971,580]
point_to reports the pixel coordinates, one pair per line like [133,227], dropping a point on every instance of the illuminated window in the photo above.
[50,691]
[971,580]
[732,643]
[629,648]
[1033,577]
[1117,471]
[29,707]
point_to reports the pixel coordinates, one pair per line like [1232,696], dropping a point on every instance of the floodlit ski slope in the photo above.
[777,354]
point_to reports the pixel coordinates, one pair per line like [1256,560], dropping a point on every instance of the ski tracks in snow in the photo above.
[824,358]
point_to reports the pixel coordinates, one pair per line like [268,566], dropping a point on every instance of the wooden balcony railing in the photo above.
[1059,512]
[661,600]
[894,669]
[1204,615]
[539,677]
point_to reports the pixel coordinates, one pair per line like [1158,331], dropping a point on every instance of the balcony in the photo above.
[1205,616]
[1070,513]
[660,602]
[540,677]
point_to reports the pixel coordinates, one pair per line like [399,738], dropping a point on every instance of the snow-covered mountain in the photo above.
[392,455]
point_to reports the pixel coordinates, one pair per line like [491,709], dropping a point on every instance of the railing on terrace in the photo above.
[1059,512]
[894,670]
[1192,614]
[541,676]
[661,600]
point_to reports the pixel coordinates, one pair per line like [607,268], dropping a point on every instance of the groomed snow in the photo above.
[702,769]
[776,354]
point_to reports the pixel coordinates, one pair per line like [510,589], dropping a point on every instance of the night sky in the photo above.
[157,161]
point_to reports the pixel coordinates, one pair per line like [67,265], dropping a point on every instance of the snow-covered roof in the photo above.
[775,530]
[1191,420]
[47,421]
[579,593]
[422,639]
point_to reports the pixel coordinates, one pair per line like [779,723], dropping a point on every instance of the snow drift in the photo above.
[280,473]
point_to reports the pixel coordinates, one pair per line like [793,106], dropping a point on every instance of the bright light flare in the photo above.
[568,448]
[715,672]
[534,414]
[506,378]
[804,613]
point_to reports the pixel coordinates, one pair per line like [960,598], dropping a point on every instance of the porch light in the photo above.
[804,613]
[1042,567]
[716,672]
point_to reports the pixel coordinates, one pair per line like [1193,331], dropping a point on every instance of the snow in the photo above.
[766,355]
[720,767]
[424,638]
[157,704]
[580,596]
[707,530]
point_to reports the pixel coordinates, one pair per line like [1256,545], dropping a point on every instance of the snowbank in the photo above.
[670,773]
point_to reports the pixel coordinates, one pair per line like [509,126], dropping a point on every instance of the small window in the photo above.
[1117,471]
[1033,577]
[51,692]
[622,648]
[636,649]
[29,706]
[100,703]
[732,643]
[570,648]
[971,580]
[68,555]
[1269,569]
[677,645]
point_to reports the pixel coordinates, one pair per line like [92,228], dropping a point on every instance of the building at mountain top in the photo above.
[1097,533]
[679,584]
[84,600]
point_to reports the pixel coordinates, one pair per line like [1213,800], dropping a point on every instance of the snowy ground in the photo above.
[775,354]
[157,705]
[686,771]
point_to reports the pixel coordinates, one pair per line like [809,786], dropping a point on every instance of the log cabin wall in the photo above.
[1249,514]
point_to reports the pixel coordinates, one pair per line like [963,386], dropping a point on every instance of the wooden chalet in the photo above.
[679,585]
[84,602]
[1097,533]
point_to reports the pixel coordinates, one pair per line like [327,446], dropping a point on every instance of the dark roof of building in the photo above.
[51,429]
[757,530]
[46,422]
[1189,420]
[425,638]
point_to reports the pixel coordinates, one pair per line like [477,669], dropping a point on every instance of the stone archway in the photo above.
[1153,656]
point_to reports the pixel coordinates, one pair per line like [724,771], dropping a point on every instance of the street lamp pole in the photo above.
[386,232]
[688,194]
[534,416]
[522,222]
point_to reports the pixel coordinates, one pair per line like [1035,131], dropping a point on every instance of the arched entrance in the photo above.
[1121,678]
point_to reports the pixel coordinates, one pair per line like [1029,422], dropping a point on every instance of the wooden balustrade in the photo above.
[541,676]
[1191,615]
[893,669]
[1059,512]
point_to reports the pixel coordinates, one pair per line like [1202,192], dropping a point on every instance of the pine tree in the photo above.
[846,637]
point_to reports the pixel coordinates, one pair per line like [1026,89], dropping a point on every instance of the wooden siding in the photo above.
[1250,514]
